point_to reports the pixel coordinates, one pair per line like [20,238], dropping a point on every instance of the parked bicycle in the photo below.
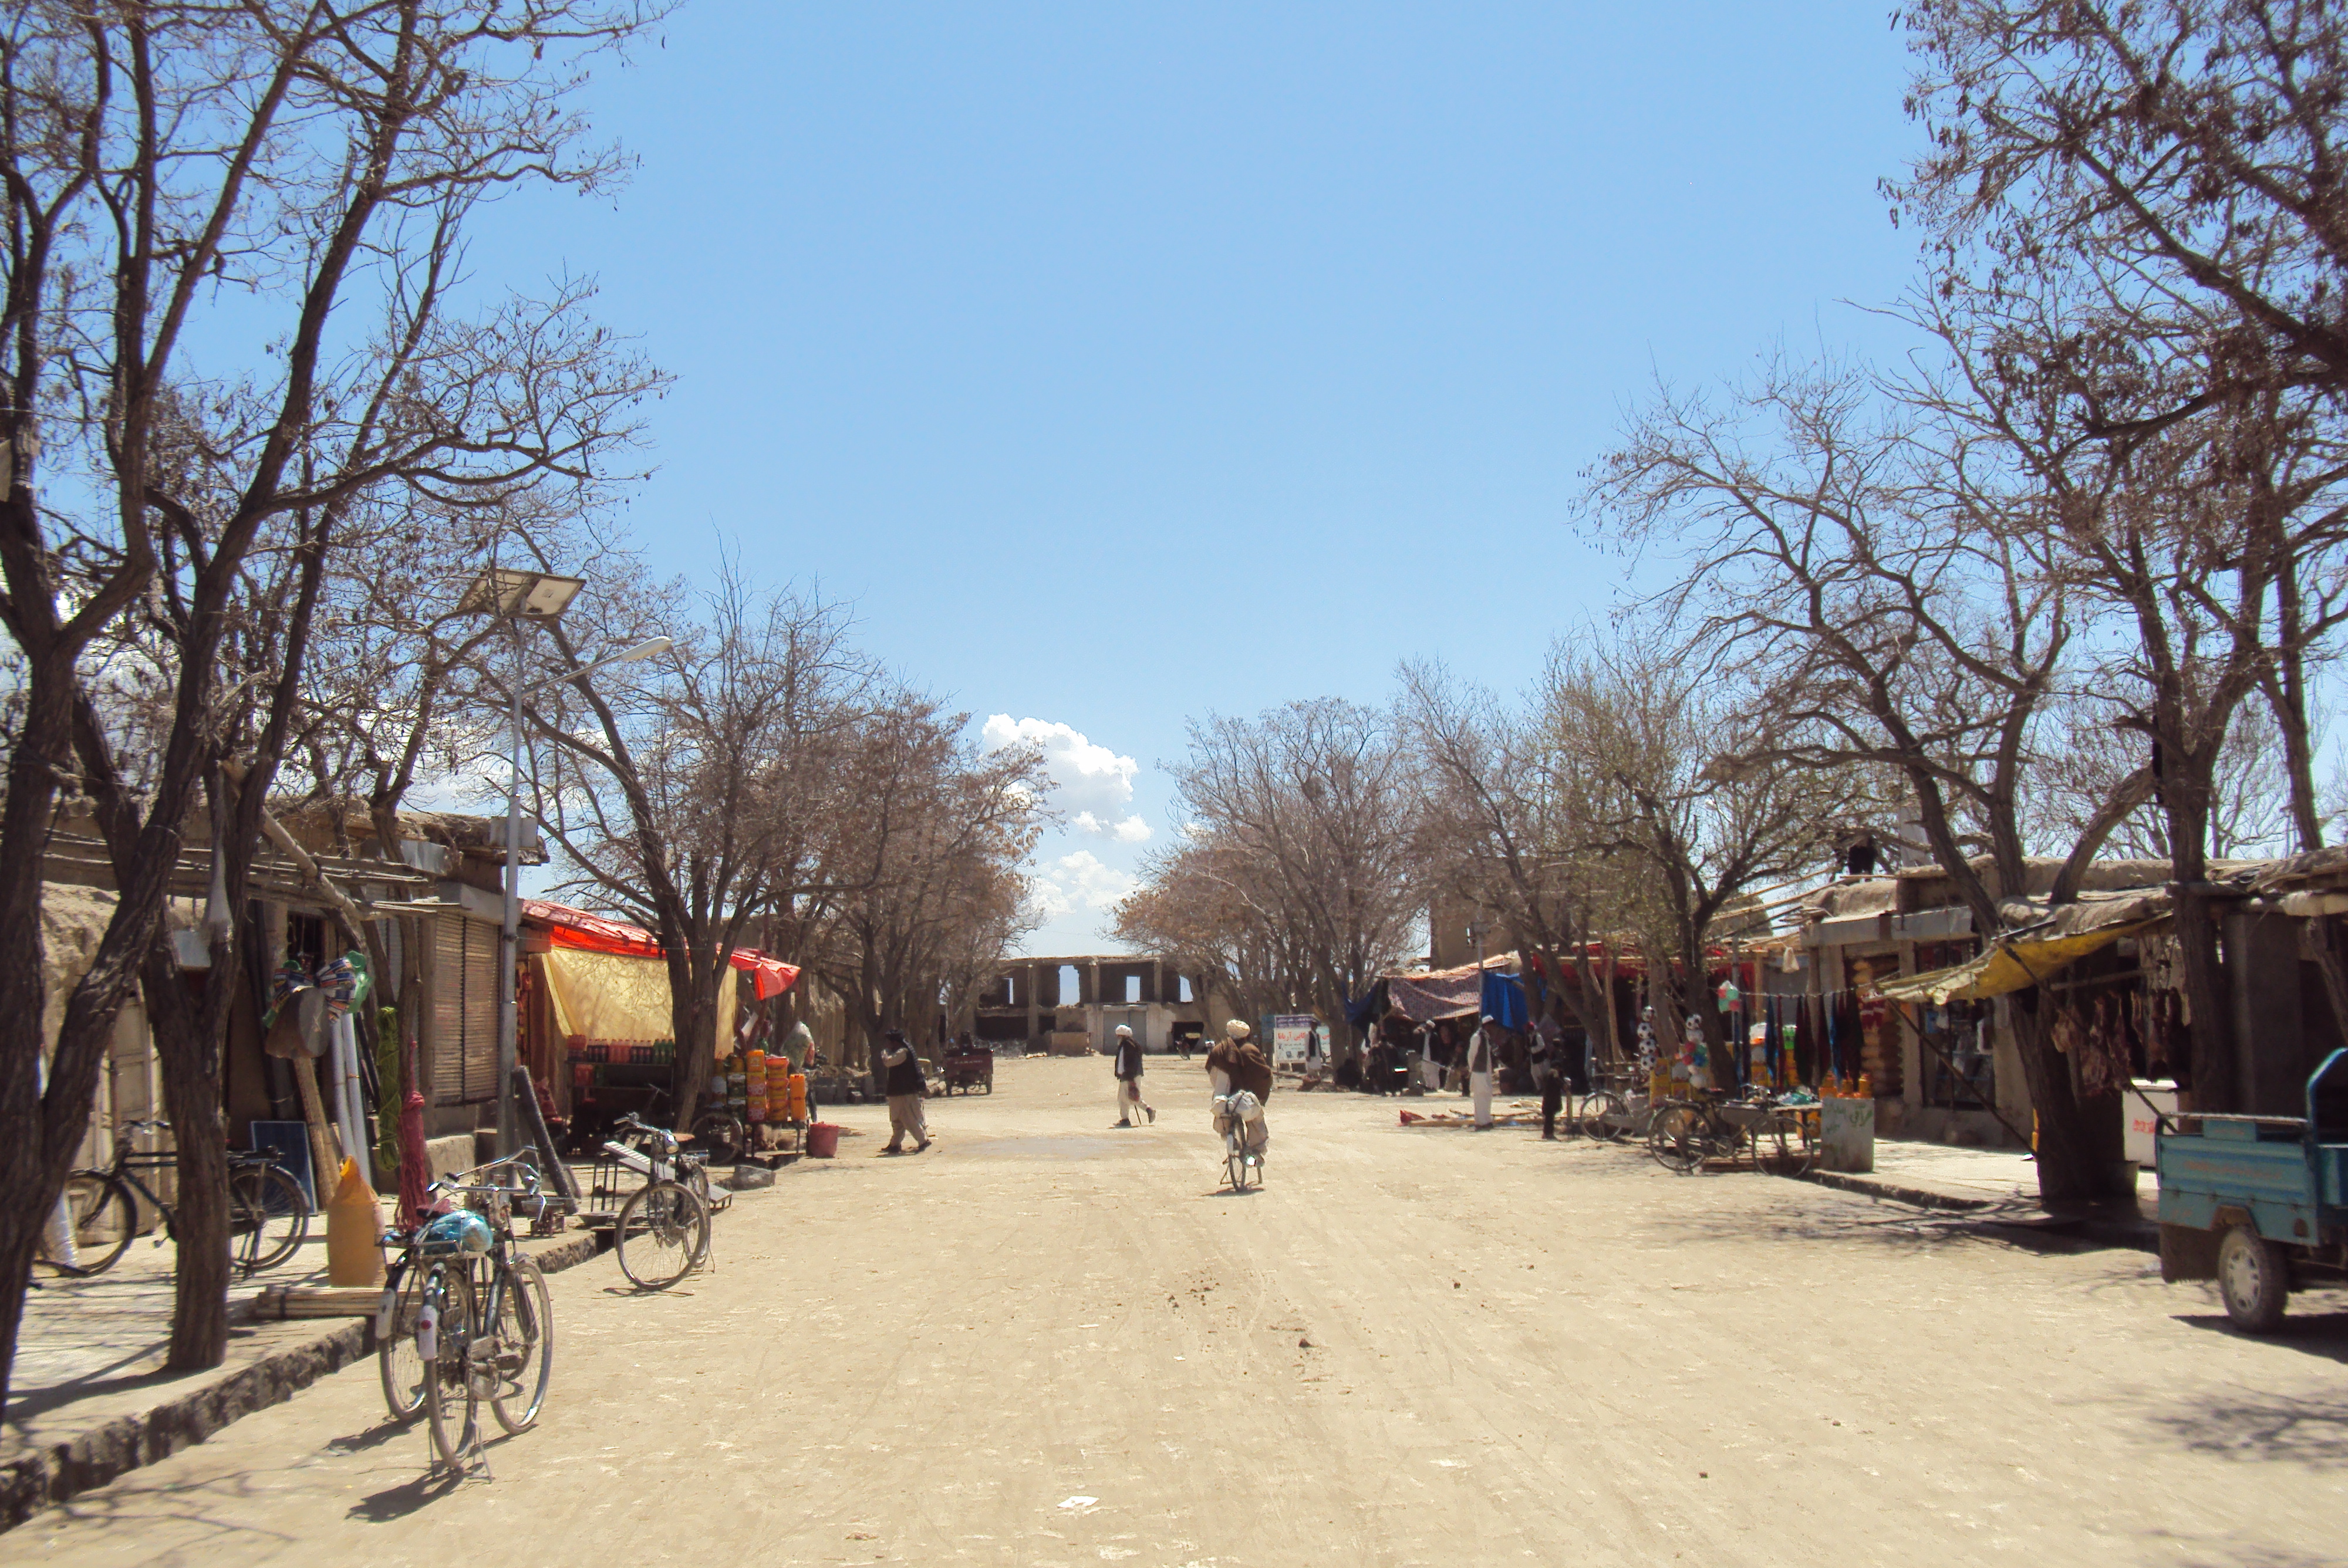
[1776,1136]
[474,1315]
[663,1231]
[398,1363]
[268,1212]
[1615,1107]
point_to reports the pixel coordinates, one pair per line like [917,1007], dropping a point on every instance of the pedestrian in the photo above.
[1483,1049]
[799,1047]
[1548,1072]
[906,1089]
[1128,1077]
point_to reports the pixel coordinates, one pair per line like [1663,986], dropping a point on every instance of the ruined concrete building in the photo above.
[1074,1005]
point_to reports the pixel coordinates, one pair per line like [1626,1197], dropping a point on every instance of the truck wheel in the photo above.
[2254,1278]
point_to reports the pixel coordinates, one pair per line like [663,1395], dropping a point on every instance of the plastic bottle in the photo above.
[1866,1087]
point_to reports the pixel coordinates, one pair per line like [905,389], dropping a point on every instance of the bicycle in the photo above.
[398,1363]
[667,1219]
[1239,1162]
[484,1325]
[268,1213]
[1687,1132]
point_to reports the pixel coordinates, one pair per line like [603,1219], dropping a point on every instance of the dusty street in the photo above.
[1045,1341]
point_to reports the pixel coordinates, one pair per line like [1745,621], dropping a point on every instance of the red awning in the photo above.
[577,929]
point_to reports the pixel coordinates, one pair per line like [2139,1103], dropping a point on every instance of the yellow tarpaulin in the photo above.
[610,996]
[2013,965]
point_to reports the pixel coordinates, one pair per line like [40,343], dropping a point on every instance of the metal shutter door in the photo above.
[480,1012]
[445,986]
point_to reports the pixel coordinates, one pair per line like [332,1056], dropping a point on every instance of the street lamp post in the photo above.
[515,597]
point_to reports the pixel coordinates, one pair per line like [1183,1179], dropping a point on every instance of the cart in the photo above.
[965,1069]
[2258,1204]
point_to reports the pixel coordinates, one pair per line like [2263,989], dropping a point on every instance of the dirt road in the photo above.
[1045,1341]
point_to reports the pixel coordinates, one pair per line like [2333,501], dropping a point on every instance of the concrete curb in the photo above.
[60,1472]
[1915,1197]
[2140,1235]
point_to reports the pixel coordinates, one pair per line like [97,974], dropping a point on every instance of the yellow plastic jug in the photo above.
[354,1231]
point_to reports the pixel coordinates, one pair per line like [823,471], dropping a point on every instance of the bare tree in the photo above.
[694,799]
[1505,824]
[930,896]
[2169,172]
[1184,909]
[162,160]
[1896,618]
[1658,741]
[1307,817]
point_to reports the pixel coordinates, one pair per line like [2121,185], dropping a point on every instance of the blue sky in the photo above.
[1123,364]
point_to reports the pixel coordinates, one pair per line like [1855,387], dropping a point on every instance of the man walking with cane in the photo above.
[1128,1077]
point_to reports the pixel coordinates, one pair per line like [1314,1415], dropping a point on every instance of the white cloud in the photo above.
[1048,899]
[1079,878]
[1126,830]
[1087,777]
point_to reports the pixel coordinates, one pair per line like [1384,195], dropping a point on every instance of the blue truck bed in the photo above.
[2285,1178]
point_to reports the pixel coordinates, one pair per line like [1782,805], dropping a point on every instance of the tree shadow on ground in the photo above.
[2261,1426]
[1859,1223]
[200,1503]
[2236,1554]
[27,1406]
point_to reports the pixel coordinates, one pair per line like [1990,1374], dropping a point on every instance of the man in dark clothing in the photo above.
[1240,1063]
[1236,1067]
[1548,1072]
[906,1088]
[1128,1077]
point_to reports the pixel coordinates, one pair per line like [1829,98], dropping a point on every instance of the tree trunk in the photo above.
[694,1015]
[2078,1140]
[188,1039]
[2284,682]
[2188,786]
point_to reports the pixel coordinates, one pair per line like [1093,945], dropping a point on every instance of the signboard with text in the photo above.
[1289,1033]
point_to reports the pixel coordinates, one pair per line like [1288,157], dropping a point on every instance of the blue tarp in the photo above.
[1361,1014]
[1504,999]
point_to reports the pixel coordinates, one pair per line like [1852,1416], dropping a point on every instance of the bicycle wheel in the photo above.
[268,1217]
[1679,1139]
[1594,1113]
[104,1220]
[452,1403]
[662,1232]
[398,1362]
[525,1345]
[721,1137]
[1798,1151]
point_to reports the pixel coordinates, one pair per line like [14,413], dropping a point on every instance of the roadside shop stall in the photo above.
[599,1032]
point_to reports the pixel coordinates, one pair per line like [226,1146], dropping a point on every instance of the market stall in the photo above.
[599,995]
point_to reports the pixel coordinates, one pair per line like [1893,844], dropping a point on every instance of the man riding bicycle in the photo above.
[1242,1085]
